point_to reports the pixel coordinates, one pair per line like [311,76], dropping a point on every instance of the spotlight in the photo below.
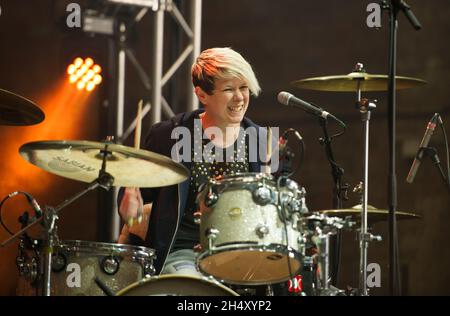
[84,73]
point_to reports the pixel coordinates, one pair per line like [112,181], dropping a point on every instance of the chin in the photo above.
[236,120]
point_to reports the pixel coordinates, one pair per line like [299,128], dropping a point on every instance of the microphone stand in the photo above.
[339,194]
[394,6]
[432,153]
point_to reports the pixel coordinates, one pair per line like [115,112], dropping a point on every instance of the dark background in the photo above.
[283,40]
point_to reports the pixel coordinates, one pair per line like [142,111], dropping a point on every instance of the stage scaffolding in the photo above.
[107,21]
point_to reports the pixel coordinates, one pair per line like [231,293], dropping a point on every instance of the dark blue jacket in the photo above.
[169,202]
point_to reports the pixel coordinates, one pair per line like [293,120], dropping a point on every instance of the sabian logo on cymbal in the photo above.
[66,165]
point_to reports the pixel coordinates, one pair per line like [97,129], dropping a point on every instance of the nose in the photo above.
[239,95]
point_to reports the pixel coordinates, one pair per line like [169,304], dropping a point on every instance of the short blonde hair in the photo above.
[222,63]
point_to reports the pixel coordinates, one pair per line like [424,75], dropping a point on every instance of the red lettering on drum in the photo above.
[295,284]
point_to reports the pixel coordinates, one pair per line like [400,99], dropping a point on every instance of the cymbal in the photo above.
[16,110]
[350,82]
[373,214]
[82,161]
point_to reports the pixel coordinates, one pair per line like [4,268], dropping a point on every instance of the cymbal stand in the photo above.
[48,220]
[365,108]
[323,229]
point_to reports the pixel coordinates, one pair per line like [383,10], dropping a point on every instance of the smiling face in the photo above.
[227,104]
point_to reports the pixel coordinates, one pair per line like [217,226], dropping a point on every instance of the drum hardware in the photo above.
[262,195]
[357,81]
[110,265]
[262,230]
[211,235]
[244,235]
[365,108]
[321,227]
[197,217]
[211,198]
[27,266]
[101,164]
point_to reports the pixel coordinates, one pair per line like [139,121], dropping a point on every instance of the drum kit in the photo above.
[255,229]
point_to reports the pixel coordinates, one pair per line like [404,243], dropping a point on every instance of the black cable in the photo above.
[344,129]
[1,205]
[302,152]
[12,194]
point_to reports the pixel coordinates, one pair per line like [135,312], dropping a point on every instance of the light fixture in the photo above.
[84,73]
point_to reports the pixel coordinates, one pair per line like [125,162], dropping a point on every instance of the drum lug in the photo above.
[148,267]
[211,234]
[262,195]
[198,248]
[197,217]
[110,265]
[211,198]
[262,230]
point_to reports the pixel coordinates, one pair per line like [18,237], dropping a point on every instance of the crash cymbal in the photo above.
[350,82]
[373,214]
[16,110]
[82,161]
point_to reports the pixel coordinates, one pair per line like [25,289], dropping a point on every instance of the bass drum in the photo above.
[177,285]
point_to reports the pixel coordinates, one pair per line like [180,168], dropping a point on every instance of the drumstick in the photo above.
[269,149]
[137,133]
[137,145]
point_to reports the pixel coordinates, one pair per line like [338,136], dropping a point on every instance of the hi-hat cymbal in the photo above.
[16,110]
[82,161]
[354,80]
[373,214]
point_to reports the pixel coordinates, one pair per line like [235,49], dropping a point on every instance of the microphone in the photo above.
[424,144]
[31,200]
[290,100]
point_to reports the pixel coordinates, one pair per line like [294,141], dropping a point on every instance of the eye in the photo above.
[244,88]
[227,90]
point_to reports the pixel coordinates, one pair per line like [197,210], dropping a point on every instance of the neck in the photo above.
[229,132]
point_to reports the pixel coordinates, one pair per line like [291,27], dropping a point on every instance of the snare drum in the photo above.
[247,231]
[177,285]
[76,264]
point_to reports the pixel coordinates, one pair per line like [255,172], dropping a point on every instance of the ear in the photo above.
[201,95]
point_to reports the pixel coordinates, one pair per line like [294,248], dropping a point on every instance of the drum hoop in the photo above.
[152,279]
[243,177]
[129,251]
[276,248]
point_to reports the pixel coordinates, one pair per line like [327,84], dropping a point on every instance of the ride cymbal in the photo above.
[373,214]
[18,111]
[354,80]
[82,161]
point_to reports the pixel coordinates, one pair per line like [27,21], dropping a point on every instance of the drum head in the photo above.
[177,285]
[251,266]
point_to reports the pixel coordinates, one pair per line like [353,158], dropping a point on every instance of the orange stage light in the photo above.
[68,115]
[85,74]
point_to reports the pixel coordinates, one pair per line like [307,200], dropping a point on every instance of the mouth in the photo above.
[235,109]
